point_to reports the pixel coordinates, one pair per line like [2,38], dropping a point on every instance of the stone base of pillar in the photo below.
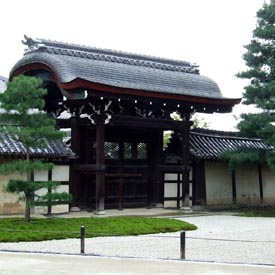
[75,209]
[186,209]
[159,205]
[99,212]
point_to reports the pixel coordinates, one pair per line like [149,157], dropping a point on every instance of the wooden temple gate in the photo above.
[120,157]
[117,106]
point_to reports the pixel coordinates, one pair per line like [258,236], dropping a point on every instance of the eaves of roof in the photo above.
[207,144]
[10,147]
[75,66]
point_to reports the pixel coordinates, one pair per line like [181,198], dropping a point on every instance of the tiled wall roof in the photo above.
[11,147]
[207,144]
[210,144]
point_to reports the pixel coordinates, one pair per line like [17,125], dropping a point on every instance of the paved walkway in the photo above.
[37,264]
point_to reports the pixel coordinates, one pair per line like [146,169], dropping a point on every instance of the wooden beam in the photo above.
[157,150]
[74,185]
[234,193]
[260,182]
[100,173]
[185,134]
[199,186]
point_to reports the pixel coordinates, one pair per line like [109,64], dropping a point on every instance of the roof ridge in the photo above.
[77,50]
[221,134]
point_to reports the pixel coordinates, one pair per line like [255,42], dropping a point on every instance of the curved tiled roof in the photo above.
[13,148]
[70,62]
[210,144]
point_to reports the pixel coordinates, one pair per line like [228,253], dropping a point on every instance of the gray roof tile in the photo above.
[54,149]
[119,69]
[211,144]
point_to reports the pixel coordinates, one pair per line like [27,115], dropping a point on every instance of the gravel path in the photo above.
[219,238]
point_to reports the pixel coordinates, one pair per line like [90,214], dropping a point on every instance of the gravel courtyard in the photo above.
[219,238]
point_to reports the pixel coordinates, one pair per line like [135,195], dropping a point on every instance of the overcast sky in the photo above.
[210,33]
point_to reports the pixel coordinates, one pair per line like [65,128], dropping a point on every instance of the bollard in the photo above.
[82,239]
[182,245]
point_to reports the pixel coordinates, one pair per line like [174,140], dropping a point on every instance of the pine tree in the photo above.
[23,118]
[260,92]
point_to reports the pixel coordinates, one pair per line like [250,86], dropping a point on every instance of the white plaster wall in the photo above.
[62,208]
[218,183]
[41,175]
[170,190]
[9,202]
[60,173]
[268,177]
[247,184]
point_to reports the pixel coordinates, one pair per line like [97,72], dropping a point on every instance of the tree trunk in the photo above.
[28,196]
[49,201]
[28,208]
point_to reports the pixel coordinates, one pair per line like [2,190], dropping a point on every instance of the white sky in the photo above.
[211,33]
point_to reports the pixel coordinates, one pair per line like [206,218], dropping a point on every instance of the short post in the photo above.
[82,239]
[182,245]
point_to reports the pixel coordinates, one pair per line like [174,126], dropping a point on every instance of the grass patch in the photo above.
[264,211]
[16,229]
[256,212]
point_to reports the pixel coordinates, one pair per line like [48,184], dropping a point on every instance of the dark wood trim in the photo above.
[100,163]
[234,191]
[157,150]
[185,142]
[50,177]
[179,198]
[260,176]
[74,187]
[199,186]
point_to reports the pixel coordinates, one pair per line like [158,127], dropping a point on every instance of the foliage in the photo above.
[199,122]
[52,197]
[22,186]
[15,229]
[23,118]
[166,138]
[242,156]
[260,91]
[22,167]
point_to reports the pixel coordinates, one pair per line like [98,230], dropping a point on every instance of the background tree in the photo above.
[26,122]
[198,122]
[260,91]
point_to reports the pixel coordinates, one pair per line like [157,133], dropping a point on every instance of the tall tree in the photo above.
[260,91]
[23,118]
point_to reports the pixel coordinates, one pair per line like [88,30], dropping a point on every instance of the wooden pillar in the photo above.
[74,186]
[100,169]
[199,185]
[185,162]
[121,179]
[234,192]
[260,183]
[157,150]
